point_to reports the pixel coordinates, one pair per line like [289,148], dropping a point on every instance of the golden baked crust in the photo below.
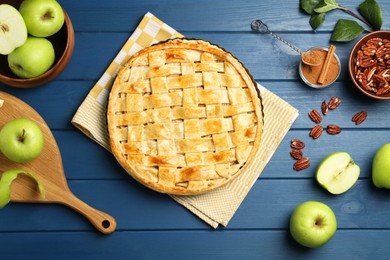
[184,117]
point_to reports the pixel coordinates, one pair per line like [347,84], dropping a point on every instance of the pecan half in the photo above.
[371,73]
[297,144]
[316,131]
[334,102]
[296,154]
[333,129]
[315,116]
[324,108]
[359,117]
[301,164]
[383,89]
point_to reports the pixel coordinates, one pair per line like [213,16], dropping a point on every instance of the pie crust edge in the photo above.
[205,46]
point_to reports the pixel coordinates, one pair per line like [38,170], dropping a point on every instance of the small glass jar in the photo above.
[314,85]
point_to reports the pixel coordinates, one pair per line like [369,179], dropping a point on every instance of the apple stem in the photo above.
[47,16]
[21,138]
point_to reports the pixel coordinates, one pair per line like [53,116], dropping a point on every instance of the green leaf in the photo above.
[5,185]
[346,30]
[309,5]
[372,12]
[316,20]
[330,2]
[326,6]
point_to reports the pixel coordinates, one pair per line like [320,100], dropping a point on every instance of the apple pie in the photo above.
[184,117]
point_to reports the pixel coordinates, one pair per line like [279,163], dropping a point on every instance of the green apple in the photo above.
[42,17]
[13,31]
[21,140]
[381,167]
[33,58]
[313,224]
[337,172]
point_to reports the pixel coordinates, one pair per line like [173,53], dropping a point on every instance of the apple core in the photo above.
[4,28]
[13,30]
[337,172]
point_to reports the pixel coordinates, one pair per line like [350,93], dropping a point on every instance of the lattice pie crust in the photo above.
[184,117]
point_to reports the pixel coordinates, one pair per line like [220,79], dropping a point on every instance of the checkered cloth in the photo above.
[215,207]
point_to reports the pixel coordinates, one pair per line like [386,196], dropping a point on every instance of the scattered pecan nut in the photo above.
[316,131]
[296,154]
[359,117]
[301,164]
[297,144]
[334,102]
[324,108]
[333,129]
[315,116]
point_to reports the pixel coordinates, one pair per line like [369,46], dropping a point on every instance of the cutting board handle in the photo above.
[103,222]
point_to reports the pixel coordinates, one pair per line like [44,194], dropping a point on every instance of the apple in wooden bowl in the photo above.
[62,42]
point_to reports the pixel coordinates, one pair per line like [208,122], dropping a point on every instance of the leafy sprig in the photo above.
[345,30]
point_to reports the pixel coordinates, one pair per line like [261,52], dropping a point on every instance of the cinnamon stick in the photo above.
[325,67]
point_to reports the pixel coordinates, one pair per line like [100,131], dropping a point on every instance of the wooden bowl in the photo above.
[352,63]
[63,43]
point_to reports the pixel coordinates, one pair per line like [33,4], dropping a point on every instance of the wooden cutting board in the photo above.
[47,167]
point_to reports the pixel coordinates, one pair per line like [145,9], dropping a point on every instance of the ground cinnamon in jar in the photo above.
[311,57]
[312,73]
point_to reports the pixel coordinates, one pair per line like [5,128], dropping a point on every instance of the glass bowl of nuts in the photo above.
[369,65]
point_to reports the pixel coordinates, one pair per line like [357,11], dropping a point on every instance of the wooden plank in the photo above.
[359,144]
[268,206]
[243,244]
[90,161]
[306,99]
[264,56]
[220,16]
[132,205]
[58,102]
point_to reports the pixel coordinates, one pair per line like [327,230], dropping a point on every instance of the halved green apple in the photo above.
[337,172]
[13,30]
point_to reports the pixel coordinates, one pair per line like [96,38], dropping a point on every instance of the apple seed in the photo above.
[4,28]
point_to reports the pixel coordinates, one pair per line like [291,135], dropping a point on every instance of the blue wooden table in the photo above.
[152,225]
